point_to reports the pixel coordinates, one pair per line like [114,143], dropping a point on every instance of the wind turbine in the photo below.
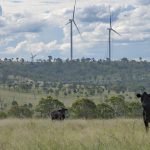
[32,57]
[72,22]
[110,29]
[1,10]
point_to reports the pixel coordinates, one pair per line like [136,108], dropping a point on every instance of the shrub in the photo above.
[133,109]
[3,115]
[105,111]
[20,111]
[84,108]
[47,105]
[118,104]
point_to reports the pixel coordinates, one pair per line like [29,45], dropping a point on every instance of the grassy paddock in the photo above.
[34,134]
[23,98]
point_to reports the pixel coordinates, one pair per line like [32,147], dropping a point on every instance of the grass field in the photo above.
[35,134]
[23,98]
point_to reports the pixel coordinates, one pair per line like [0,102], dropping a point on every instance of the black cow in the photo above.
[59,114]
[145,100]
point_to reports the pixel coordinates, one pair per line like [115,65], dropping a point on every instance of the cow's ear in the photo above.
[138,95]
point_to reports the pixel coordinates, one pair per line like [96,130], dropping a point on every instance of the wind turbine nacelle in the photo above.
[109,28]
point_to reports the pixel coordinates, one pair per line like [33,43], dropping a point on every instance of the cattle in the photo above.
[59,114]
[145,100]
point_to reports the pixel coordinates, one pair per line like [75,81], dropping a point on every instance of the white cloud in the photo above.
[20,46]
[23,22]
[30,47]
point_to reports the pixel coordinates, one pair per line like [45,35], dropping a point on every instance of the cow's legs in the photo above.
[145,121]
[63,117]
[59,117]
[52,118]
[146,125]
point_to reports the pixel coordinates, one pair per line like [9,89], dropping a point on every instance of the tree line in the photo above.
[121,75]
[84,108]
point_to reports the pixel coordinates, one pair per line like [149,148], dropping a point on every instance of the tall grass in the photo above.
[119,134]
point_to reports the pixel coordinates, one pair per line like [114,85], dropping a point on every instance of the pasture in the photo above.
[34,98]
[43,134]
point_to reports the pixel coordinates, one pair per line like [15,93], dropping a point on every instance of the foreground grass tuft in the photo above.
[117,134]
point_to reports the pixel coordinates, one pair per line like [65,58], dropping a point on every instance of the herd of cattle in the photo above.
[145,100]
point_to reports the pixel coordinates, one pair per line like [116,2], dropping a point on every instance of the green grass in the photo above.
[22,98]
[34,134]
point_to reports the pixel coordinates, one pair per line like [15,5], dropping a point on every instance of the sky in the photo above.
[39,27]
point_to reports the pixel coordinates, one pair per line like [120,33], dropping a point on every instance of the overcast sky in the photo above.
[38,26]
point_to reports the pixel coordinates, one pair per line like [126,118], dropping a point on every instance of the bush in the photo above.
[84,108]
[105,111]
[3,115]
[133,109]
[118,104]
[47,105]
[20,111]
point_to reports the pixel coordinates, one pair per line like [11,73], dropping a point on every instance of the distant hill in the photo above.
[125,75]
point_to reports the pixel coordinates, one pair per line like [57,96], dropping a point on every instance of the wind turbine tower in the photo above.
[110,29]
[72,22]
[1,10]
[32,57]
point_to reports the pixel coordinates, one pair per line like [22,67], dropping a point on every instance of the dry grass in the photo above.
[34,134]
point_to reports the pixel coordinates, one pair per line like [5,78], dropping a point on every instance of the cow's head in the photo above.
[144,97]
[63,110]
[138,95]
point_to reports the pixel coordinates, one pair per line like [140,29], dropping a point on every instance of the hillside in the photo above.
[122,75]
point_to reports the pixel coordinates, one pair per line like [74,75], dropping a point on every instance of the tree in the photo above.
[2,104]
[23,111]
[58,60]
[17,59]
[30,106]
[140,58]
[3,115]
[14,103]
[122,75]
[133,109]
[47,105]
[56,93]
[50,58]
[124,59]
[118,104]
[105,111]
[5,59]
[83,108]
[22,60]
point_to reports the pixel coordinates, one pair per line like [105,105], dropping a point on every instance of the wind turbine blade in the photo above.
[110,21]
[67,23]
[115,32]
[77,28]
[74,10]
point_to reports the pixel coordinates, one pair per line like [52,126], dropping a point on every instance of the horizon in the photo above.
[39,59]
